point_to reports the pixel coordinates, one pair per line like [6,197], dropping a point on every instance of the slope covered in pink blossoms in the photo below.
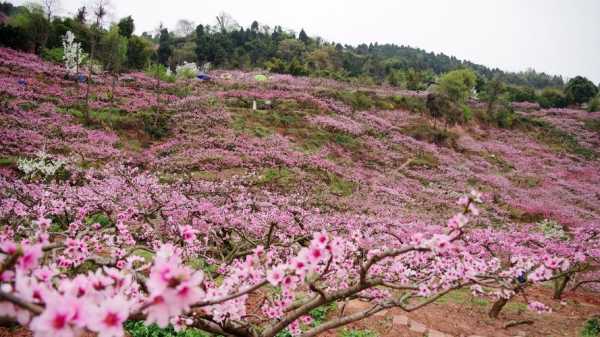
[209,205]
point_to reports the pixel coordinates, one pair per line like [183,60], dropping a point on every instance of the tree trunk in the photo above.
[89,80]
[497,308]
[114,84]
[560,285]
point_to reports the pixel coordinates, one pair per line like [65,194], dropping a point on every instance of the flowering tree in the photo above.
[73,53]
[290,274]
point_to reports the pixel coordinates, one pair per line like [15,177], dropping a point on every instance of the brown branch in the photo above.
[33,308]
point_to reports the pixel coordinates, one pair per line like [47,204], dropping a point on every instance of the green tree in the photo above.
[126,27]
[201,44]
[139,52]
[492,91]
[303,37]
[164,47]
[290,49]
[36,26]
[457,85]
[113,54]
[580,90]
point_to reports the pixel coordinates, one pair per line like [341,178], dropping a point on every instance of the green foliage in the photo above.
[552,98]
[55,55]
[592,124]
[457,85]
[283,178]
[504,117]
[580,90]
[431,134]
[591,328]
[424,160]
[410,103]
[139,329]
[554,137]
[160,71]
[358,333]
[552,229]
[340,186]
[33,23]
[594,104]
[521,94]
[113,50]
[156,124]
[99,218]
[126,27]
[164,47]
[139,52]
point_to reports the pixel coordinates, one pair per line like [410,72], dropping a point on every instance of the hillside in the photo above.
[315,155]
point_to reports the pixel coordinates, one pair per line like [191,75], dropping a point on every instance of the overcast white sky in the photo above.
[555,36]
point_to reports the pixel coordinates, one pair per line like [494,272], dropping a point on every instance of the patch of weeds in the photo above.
[554,137]
[139,329]
[358,333]
[516,307]
[100,218]
[464,296]
[432,134]
[282,178]
[28,106]
[320,314]
[344,139]
[592,124]
[156,125]
[340,186]
[526,181]
[10,161]
[591,328]
[201,264]
[424,160]
[410,103]
[525,217]
[497,160]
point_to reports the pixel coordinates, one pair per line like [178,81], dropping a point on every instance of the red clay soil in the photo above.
[466,317]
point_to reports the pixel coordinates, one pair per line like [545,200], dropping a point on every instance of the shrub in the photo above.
[580,90]
[552,98]
[521,94]
[162,71]
[156,124]
[187,70]
[594,104]
[457,84]
[55,55]
[591,328]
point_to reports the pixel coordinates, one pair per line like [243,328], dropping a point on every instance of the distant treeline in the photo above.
[227,44]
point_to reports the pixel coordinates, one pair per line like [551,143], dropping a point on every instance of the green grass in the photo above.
[365,100]
[555,138]
[592,124]
[358,333]
[591,328]
[424,160]
[526,181]
[139,329]
[464,297]
[425,132]
[340,186]
[282,178]
[8,161]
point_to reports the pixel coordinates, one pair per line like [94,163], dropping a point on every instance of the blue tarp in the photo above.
[203,77]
